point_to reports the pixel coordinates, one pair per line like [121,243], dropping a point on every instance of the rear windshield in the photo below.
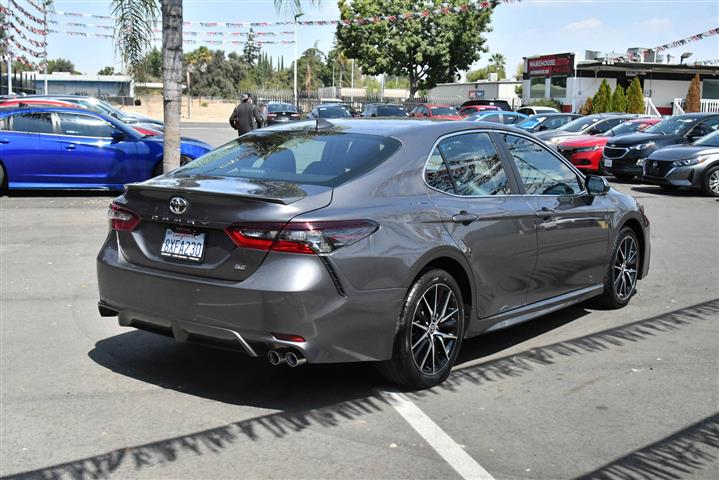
[298,156]
[281,107]
[333,112]
[391,111]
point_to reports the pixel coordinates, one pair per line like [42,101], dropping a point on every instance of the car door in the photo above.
[572,227]
[475,193]
[28,150]
[88,152]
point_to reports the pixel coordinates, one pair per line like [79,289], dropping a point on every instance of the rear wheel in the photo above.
[431,327]
[711,181]
[3,178]
[620,282]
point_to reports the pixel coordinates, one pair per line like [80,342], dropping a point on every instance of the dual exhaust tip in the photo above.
[278,357]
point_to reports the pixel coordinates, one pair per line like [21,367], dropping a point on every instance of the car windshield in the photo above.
[281,107]
[443,111]
[479,116]
[711,140]
[391,111]
[672,126]
[579,124]
[531,122]
[625,128]
[297,156]
[333,112]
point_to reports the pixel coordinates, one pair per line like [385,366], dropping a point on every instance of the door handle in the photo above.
[544,213]
[70,147]
[464,218]
[4,141]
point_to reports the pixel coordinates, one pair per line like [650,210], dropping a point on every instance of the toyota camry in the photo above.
[367,240]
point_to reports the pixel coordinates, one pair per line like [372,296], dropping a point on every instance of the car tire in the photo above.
[710,182]
[429,334]
[3,178]
[620,280]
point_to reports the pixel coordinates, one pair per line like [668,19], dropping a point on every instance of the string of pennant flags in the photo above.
[684,41]
[27,14]
[37,7]
[22,35]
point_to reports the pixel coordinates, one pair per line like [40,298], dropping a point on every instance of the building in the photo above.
[569,81]
[479,90]
[100,86]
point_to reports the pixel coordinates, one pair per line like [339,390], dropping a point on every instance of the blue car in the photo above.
[496,116]
[73,148]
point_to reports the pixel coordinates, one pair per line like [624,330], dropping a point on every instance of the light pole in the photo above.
[295,72]
[44,39]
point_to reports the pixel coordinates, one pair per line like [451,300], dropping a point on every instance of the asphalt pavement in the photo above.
[582,393]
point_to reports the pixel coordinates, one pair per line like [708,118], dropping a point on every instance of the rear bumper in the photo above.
[288,294]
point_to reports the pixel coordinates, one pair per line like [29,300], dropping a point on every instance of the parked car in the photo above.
[101,106]
[537,110]
[34,102]
[590,125]
[500,104]
[624,156]
[435,111]
[329,110]
[694,166]
[472,109]
[367,240]
[546,121]
[350,108]
[497,116]
[585,151]
[279,112]
[74,148]
[384,110]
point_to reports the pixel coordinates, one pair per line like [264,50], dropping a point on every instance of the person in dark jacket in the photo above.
[245,117]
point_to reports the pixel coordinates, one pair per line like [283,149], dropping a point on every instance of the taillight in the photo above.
[301,237]
[122,219]
[146,132]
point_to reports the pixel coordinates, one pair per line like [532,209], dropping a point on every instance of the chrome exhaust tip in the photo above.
[275,357]
[294,360]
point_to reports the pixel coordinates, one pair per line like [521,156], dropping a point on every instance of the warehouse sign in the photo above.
[550,65]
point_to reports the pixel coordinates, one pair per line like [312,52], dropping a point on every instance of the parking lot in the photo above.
[582,393]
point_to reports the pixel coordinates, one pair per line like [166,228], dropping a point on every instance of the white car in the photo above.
[537,110]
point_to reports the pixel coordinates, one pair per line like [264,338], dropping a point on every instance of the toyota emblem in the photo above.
[178,205]
[655,164]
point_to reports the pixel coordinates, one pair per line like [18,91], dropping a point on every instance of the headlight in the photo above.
[691,161]
[587,149]
[642,146]
[556,140]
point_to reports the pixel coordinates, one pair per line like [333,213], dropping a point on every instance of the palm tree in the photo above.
[498,60]
[134,25]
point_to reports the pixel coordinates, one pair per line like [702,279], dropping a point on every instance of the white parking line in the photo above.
[447,448]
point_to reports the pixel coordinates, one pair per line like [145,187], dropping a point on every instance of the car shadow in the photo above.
[679,192]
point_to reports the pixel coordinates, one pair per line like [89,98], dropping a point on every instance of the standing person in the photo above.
[245,117]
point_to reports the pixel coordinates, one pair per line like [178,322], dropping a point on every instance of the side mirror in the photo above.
[597,185]
[117,135]
[542,128]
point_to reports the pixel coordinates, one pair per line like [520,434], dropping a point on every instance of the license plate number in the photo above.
[607,162]
[183,246]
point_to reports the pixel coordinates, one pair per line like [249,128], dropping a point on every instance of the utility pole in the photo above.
[295,69]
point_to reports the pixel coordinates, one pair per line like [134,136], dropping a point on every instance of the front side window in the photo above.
[705,128]
[541,172]
[474,165]
[40,122]
[84,126]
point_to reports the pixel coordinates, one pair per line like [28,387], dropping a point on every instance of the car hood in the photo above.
[584,141]
[680,152]
[638,138]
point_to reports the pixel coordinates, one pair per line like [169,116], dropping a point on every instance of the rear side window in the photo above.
[83,126]
[474,165]
[541,172]
[298,156]
[40,122]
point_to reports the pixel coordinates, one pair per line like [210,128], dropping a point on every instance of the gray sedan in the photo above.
[367,240]
[695,166]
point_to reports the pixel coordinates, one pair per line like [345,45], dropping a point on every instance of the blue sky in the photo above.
[521,29]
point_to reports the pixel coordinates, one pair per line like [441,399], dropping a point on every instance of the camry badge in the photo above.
[178,205]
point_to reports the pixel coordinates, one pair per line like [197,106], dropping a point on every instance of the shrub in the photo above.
[619,100]
[546,102]
[694,96]
[602,101]
[635,97]
[587,107]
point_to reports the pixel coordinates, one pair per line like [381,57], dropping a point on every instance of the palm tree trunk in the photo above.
[171,80]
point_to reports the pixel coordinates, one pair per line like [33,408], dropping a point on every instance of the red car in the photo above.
[436,111]
[585,152]
[469,110]
[35,102]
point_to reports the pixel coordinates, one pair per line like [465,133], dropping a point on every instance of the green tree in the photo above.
[426,50]
[693,102]
[519,71]
[61,65]
[311,69]
[107,71]
[483,73]
[635,97]
[619,100]
[602,100]
[587,107]
[498,60]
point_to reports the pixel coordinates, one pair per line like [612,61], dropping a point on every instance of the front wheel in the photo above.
[711,182]
[620,282]
[431,327]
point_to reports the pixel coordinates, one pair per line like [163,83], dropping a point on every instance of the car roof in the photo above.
[31,109]
[696,115]
[435,105]
[398,128]
[554,114]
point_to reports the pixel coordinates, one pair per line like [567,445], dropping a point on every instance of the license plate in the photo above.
[183,246]
[607,162]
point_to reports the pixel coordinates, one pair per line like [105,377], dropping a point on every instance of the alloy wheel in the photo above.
[625,268]
[714,182]
[435,327]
